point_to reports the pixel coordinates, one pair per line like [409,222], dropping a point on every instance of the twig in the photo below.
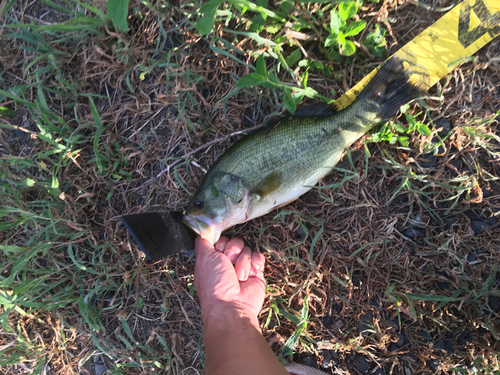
[33,18]
[16,127]
[432,9]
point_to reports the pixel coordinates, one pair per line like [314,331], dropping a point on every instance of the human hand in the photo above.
[229,278]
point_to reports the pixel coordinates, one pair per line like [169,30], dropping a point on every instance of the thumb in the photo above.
[206,254]
[203,247]
[204,250]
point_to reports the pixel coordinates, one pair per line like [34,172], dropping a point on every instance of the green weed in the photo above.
[340,30]
[67,270]
[303,22]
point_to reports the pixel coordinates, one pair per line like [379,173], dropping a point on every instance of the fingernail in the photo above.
[241,274]
[253,271]
[231,256]
[221,246]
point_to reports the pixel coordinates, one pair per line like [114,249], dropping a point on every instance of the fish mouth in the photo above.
[204,226]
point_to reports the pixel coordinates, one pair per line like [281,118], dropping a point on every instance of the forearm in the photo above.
[235,345]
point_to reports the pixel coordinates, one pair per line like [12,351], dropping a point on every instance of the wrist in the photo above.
[228,316]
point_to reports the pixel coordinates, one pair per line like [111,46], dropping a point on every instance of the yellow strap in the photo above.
[436,51]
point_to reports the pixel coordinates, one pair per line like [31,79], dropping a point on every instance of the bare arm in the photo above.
[231,287]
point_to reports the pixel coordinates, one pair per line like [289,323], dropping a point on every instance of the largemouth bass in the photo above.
[276,165]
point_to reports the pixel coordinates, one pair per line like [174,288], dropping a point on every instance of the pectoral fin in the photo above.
[268,185]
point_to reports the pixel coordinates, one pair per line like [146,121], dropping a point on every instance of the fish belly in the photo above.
[284,196]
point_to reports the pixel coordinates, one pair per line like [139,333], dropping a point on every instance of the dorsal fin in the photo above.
[318,110]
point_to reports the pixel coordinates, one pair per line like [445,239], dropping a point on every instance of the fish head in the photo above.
[221,202]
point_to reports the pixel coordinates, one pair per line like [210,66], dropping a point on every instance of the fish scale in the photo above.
[302,150]
[276,165]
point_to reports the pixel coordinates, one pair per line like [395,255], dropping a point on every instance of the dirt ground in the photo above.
[400,279]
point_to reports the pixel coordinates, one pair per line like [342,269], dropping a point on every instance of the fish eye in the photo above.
[199,204]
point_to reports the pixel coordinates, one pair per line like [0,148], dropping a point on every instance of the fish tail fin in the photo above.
[390,88]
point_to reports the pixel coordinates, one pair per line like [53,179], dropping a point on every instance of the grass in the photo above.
[97,122]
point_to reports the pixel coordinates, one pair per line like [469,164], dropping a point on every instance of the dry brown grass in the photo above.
[176,110]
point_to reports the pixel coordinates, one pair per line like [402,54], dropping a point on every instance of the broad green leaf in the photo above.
[348,48]
[331,40]
[347,10]
[300,24]
[286,6]
[297,97]
[399,128]
[423,129]
[257,23]
[289,102]
[110,194]
[261,66]
[379,51]
[272,83]
[273,29]
[341,39]
[280,39]
[210,7]
[355,28]
[252,79]
[305,63]
[376,37]
[375,41]
[391,138]
[403,141]
[294,57]
[411,122]
[118,12]
[4,111]
[336,22]
[404,108]
[335,55]
[304,77]
[205,24]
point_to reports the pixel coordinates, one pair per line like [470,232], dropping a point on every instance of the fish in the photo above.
[275,165]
